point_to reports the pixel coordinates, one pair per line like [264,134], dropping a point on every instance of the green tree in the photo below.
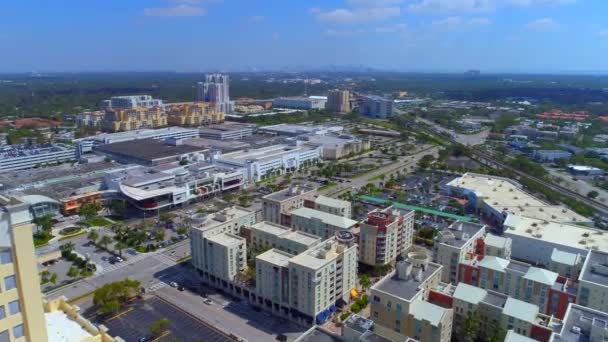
[93,235]
[73,272]
[105,241]
[112,296]
[67,247]
[471,326]
[159,327]
[53,278]
[118,207]
[593,194]
[89,210]
[44,223]
[159,235]
[120,246]
[365,281]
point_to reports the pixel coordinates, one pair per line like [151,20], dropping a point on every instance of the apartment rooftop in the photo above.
[425,311]
[595,268]
[331,202]
[541,275]
[583,318]
[475,295]
[226,239]
[286,233]
[520,310]
[316,334]
[512,336]
[319,255]
[406,280]
[496,241]
[359,323]
[459,233]
[330,219]
[290,192]
[506,195]
[301,237]
[275,257]
[570,235]
[565,258]
[221,217]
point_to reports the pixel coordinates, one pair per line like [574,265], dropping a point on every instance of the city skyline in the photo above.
[400,35]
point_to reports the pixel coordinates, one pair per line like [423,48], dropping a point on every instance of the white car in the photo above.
[207,301]
[173,284]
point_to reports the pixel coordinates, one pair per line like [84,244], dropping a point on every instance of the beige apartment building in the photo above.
[385,235]
[128,119]
[277,205]
[319,223]
[456,244]
[193,114]
[399,306]
[338,101]
[332,206]
[218,251]
[271,235]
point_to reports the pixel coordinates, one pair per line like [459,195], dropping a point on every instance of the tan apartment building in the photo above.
[457,243]
[276,207]
[385,235]
[399,306]
[193,114]
[128,119]
[271,235]
[330,205]
[319,223]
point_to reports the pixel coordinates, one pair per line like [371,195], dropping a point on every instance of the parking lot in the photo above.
[135,323]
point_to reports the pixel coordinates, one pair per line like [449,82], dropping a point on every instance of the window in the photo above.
[2,312]
[6,257]
[4,336]
[9,283]
[14,307]
[18,331]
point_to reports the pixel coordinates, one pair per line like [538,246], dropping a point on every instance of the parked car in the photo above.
[173,284]
[207,301]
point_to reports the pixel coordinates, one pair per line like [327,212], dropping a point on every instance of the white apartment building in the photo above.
[332,206]
[454,244]
[385,235]
[593,282]
[319,223]
[132,101]
[272,279]
[322,276]
[300,102]
[399,306]
[218,253]
[271,235]
[497,246]
[583,324]
[18,157]
[270,161]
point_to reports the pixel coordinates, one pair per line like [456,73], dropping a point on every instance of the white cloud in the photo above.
[452,6]
[178,8]
[455,23]
[256,19]
[542,24]
[357,15]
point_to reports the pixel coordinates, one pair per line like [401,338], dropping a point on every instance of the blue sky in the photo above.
[197,35]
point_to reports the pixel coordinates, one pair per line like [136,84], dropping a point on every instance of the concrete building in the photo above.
[272,278]
[549,156]
[130,102]
[171,185]
[337,147]
[322,277]
[566,264]
[497,246]
[496,197]
[90,119]
[535,240]
[593,281]
[377,107]
[22,157]
[330,205]
[193,114]
[319,223]
[129,119]
[583,324]
[227,131]
[218,253]
[585,171]
[306,103]
[385,235]
[215,89]
[266,162]
[271,235]
[399,306]
[338,101]
[150,152]
[293,130]
[456,244]
[85,145]
[277,206]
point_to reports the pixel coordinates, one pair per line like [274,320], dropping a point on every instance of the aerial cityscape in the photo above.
[158,190]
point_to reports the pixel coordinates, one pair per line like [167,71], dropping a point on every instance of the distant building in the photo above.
[150,152]
[227,131]
[581,170]
[277,206]
[338,101]
[548,156]
[90,119]
[295,129]
[300,102]
[21,157]
[129,119]
[131,102]
[455,244]
[336,147]
[377,107]
[215,89]
[193,114]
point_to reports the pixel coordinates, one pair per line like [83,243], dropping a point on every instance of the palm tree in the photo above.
[69,246]
[104,241]
[120,246]
[93,236]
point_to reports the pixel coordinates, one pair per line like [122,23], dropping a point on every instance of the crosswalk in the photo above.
[162,284]
[114,267]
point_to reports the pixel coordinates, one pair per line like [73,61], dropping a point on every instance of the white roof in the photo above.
[427,311]
[468,293]
[61,328]
[332,220]
[275,257]
[565,258]
[541,275]
[512,336]
[521,310]
[331,202]
[35,199]
[558,233]
[505,195]
[494,263]
[227,240]
[583,168]
[495,241]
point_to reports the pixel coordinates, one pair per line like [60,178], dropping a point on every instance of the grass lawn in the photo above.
[328,186]
[116,217]
[82,232]
[41,242]
[96,222]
